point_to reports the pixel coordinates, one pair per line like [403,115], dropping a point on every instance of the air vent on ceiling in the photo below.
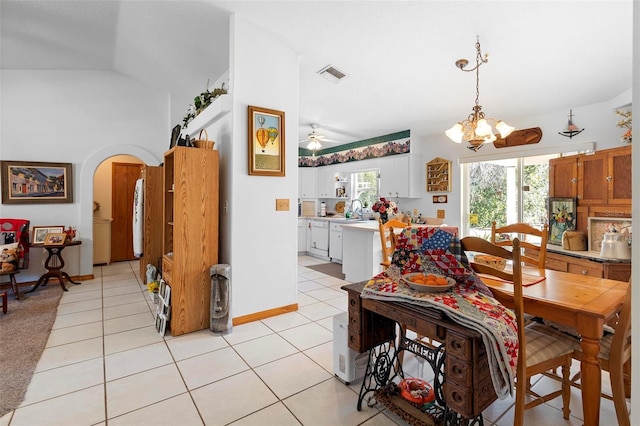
[332,73]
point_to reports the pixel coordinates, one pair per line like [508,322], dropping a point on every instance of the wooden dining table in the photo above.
[579,301]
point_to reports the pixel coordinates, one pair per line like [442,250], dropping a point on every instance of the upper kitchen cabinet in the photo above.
[326,182]
[563,177]
[604,178]
[619,178]
[306,182]
[400,176]
[599,179]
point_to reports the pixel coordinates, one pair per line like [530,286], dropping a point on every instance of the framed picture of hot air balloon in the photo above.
[266,142]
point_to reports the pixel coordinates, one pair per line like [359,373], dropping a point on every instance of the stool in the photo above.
[3,296]
[14,283]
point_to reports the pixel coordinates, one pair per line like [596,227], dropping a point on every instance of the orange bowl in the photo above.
[416,390]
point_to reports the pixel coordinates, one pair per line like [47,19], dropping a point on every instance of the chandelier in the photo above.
[477,129]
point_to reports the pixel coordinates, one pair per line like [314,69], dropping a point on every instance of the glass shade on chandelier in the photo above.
[571,130]
[477,130]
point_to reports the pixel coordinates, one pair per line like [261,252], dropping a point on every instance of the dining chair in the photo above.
[614,356]
[388,239]
[523,230]
[537,352]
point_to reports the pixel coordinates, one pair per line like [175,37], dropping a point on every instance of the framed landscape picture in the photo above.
[30,182]
[266,142]
[562,217]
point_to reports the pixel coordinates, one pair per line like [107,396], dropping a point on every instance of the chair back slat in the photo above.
[524,229]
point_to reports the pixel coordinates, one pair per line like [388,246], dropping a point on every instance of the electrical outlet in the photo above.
[440,214]
[282,204]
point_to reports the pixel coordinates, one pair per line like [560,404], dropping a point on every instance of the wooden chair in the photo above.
[388,239]
[3,296]
[614,357]
[523,229]
[13,282]
[537,352]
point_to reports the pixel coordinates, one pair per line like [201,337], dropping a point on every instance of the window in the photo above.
[365,186]
[505,191]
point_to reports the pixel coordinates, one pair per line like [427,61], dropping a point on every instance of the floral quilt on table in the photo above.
[469,302]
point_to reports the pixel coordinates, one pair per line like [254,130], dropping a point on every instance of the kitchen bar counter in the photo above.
[590,255]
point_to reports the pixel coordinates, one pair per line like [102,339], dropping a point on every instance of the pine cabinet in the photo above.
[152,222]
[190,237]
[598,179]
[563,177]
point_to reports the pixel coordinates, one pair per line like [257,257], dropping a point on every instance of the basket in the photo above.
[203,143]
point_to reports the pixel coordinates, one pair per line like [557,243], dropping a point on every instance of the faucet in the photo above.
[361,214]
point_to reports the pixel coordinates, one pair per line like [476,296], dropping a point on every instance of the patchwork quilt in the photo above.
[470,303]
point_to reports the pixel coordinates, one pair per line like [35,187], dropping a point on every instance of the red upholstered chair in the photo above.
[14,233]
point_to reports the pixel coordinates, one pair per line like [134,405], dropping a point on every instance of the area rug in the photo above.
[332,269]
[24,331]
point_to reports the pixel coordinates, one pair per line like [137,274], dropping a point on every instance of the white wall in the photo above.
[78,117]
[263,255]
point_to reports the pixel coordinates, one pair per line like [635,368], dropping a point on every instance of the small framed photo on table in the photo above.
[40,233]
[56,239]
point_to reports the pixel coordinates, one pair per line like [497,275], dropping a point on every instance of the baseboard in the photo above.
[265,314]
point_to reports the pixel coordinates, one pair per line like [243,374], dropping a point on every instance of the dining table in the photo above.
[578,301]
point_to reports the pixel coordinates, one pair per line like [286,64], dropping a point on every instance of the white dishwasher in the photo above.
[319,238]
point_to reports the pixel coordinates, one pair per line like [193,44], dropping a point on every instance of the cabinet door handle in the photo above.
[574,180]
[609,178]
[584,272]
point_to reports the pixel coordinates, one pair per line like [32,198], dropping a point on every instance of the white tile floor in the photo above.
[105,364]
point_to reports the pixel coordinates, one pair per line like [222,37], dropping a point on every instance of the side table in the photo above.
[54,265]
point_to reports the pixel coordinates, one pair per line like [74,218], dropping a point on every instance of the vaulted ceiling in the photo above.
[398,55]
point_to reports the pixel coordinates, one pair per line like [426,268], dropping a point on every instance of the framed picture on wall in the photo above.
[562,217]
[30,182]
[266,142]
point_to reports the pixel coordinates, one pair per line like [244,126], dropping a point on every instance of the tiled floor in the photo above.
[105,364]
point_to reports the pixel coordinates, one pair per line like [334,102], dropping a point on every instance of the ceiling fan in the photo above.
[314,138]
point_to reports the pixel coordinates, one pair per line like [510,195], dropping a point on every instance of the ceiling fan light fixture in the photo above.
[314,145]
[477,129]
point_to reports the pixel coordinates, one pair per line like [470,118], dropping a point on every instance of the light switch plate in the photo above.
[282,204]
[440,214]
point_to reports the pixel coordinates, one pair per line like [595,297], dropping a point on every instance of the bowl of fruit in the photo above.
[428,283]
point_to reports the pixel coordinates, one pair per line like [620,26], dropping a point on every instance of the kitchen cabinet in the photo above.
[580,264]
[335,242]
[325,182]
[342,185]
[306,182]
[598,179]
[319,243]
[303,227]
[400,177]
[563,177]
[190,235]
[592,179]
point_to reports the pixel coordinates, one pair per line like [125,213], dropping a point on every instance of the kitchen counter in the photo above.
[590,255]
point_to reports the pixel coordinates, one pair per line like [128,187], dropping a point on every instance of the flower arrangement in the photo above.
[383,207]
[625,123]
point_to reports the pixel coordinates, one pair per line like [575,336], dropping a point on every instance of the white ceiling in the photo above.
[399,55]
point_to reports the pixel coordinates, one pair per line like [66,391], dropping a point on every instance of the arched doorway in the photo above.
[87,172]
